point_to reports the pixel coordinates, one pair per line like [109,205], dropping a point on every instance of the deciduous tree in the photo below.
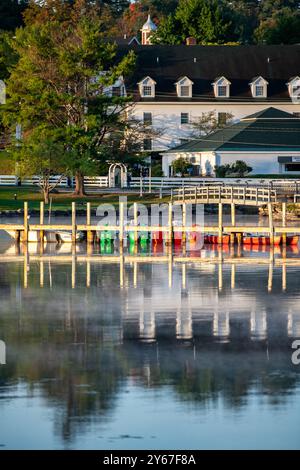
[63,80]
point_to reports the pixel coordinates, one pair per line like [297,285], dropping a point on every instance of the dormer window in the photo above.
[259,87]
[147,88]
[294,88]
[221,87]
[184,87]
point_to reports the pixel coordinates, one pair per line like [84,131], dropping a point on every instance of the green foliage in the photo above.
[237,169]
[238,21]
[181,166]
[7,55]
[7,164]
[39,154]
[205,20]
[69,68]
[281,28]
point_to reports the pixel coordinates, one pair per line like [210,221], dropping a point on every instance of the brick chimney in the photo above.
[191,41]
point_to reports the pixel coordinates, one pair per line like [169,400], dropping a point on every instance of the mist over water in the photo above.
[106,351]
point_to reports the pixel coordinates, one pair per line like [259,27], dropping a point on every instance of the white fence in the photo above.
[8,180]
[63,182]
[95,181]
[291,186]
[286,185]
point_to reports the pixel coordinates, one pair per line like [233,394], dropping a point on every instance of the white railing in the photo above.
[61,182]
[228,193]
[95,181]
[285,185]
[8,180]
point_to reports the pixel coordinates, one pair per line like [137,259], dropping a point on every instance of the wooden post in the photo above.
[220,224]
[26,267]
[233,220]
[239,237]
[90,235]
[184,223]
[135,222]
[26,229]
[271,224]
[121,223]
[170,224]
[73,222]
[284,222]
[233,223]
[42,215]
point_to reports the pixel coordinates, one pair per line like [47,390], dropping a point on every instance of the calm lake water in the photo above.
[110,352]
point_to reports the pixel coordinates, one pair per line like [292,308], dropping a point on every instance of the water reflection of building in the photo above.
[294,324]
[182,299]
[258,324]
[221,327]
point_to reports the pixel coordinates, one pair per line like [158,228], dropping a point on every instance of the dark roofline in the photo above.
[238,64]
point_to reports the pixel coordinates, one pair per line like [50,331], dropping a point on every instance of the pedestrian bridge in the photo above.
[240,195]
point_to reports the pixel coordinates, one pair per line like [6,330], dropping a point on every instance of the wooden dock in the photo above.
[221,196]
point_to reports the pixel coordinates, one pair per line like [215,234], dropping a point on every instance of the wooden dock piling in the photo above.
[271,224]
[121,223]
[42,217]
[90,233]
[74,228]
[284,222]
[135,222]
[170,223]
[220,223]
[26,226]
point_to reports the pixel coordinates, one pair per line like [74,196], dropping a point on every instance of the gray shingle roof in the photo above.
[271,129]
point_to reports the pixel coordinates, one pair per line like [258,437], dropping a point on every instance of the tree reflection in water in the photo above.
[78,348]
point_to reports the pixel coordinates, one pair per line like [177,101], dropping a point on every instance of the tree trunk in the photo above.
[46,195]
[79,184]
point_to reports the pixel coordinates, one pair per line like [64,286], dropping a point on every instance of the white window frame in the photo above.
[293,84]
[147,83]
[221,82]
[184,82]
[259,82]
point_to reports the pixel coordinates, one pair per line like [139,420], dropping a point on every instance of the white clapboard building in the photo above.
[173,85]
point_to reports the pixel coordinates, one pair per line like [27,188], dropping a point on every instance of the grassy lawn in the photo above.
[62,201]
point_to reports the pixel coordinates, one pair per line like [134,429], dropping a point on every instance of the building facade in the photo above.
[268,141]
[173,86]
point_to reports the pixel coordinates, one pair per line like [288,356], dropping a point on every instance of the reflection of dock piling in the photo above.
[75,259]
